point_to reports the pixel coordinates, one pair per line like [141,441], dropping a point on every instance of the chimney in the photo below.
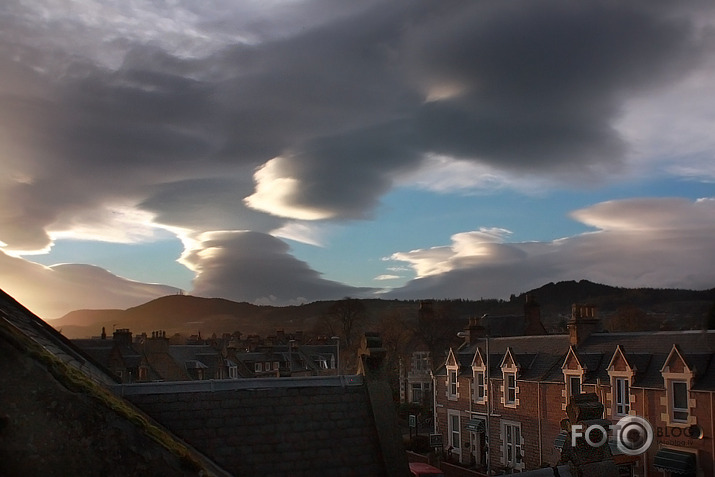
[123,337]
[584,321]
[104,334]
[158,343]
[473,331]
[532,317]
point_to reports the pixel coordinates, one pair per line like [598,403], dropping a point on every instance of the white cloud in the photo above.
[51,292]
[662,243]
[276,193]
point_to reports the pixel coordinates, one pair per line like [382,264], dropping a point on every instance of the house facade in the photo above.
[499,402]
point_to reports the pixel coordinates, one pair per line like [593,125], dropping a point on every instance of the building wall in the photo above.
[541,409]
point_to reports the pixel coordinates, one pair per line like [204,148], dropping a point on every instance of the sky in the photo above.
[286,151]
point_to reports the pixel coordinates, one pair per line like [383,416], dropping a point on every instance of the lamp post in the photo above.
[290,357]
[337,354]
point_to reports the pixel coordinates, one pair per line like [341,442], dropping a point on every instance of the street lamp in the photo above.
[337,358]
[290,357]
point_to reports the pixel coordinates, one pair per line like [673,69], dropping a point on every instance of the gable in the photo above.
[451,359]
[572,361]
[509,361]
[619,362]
[675,362]
[478,360]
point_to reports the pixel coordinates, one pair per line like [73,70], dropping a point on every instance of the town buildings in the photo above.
[499,401]
[157,357]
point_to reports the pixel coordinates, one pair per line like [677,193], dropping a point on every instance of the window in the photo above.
[512,445]
[454,437]
[416,393]
[233,372]
[452,383]
[420,361]
[679,391]
[258,367]
[479,387]
[276,365]
[574,385]
[510,388]
[623,403]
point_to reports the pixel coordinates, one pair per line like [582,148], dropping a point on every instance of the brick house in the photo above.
[500,401]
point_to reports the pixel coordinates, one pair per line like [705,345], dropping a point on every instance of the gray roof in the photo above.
[263,426]
[540,357]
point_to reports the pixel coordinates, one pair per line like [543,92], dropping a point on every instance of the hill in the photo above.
[190,314]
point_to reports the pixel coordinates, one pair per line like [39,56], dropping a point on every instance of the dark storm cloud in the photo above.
[130,105]
[540,83]
[255,267]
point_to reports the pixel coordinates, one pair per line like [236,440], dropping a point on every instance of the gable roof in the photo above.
[646,353]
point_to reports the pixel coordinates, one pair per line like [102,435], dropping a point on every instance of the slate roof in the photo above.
[266,426]
[26,322]
[541,357]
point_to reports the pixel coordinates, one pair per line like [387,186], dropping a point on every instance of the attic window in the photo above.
[510,388]
[452,373]
[679,393]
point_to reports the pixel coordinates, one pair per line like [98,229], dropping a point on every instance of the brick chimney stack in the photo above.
[158,343]
[473,331]
[584,321]
[123,337]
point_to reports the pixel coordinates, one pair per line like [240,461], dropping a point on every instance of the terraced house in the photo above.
[500,400]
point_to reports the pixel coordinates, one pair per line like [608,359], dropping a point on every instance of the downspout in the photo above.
[538,399]
[489,415]
[434,401]
[712,426]
[645,454]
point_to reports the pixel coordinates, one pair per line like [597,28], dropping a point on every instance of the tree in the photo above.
[631,318]
[435,328]
[396,336]
[711,318]
[346,316]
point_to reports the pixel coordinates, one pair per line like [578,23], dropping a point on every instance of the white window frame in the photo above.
[258,367]
[455,435]
[512,445]
[621,395]
[452,383]
[673,409]
[480,390]
[509,390]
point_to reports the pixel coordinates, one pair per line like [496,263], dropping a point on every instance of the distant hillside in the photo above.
[189,314]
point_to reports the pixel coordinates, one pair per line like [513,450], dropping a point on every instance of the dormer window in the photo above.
[679,401]
[574,372]
[622,396]
[510,371]
[479,368]
[479,386]
[678,377]
[574,384]
[510,392]
[621,374]
[452,377]
[453,383]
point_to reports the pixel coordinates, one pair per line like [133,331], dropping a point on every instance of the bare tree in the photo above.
[346,316]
